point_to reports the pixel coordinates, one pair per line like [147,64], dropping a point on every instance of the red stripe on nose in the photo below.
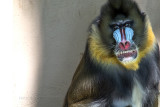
[123,35]
[124,45]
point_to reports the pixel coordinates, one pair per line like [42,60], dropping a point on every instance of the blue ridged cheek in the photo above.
[128,32]
[117,35]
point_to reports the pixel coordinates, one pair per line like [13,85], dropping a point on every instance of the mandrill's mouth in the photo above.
[127,56]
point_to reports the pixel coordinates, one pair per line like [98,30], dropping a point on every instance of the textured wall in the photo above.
[63,32]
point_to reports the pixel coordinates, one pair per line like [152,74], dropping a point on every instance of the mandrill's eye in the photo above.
[115,27]
[127,25]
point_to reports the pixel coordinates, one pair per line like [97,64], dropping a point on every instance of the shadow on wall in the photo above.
[64,32]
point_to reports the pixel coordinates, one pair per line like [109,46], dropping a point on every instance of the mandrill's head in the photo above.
[125,48]
[122,35]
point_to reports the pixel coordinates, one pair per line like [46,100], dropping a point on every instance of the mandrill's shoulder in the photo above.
[154,54]
[150,66]
[157,54]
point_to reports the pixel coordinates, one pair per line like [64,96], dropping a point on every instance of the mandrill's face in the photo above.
[125,48]
[125,36]
[122,36]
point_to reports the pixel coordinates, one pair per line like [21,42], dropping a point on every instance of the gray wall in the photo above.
[64,25]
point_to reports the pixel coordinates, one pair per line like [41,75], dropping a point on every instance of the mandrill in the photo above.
[120,65]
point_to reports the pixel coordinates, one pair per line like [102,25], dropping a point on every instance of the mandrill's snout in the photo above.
[124,45]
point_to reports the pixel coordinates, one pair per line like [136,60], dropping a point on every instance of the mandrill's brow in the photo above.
[121,22]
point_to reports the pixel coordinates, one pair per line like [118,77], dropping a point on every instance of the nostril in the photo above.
[127,45]
[124,45]
[121,46]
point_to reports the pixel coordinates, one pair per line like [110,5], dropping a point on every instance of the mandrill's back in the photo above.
[120,65]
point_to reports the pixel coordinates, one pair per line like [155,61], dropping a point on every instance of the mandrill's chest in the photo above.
[119,91]
[123,90]
[132,99]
